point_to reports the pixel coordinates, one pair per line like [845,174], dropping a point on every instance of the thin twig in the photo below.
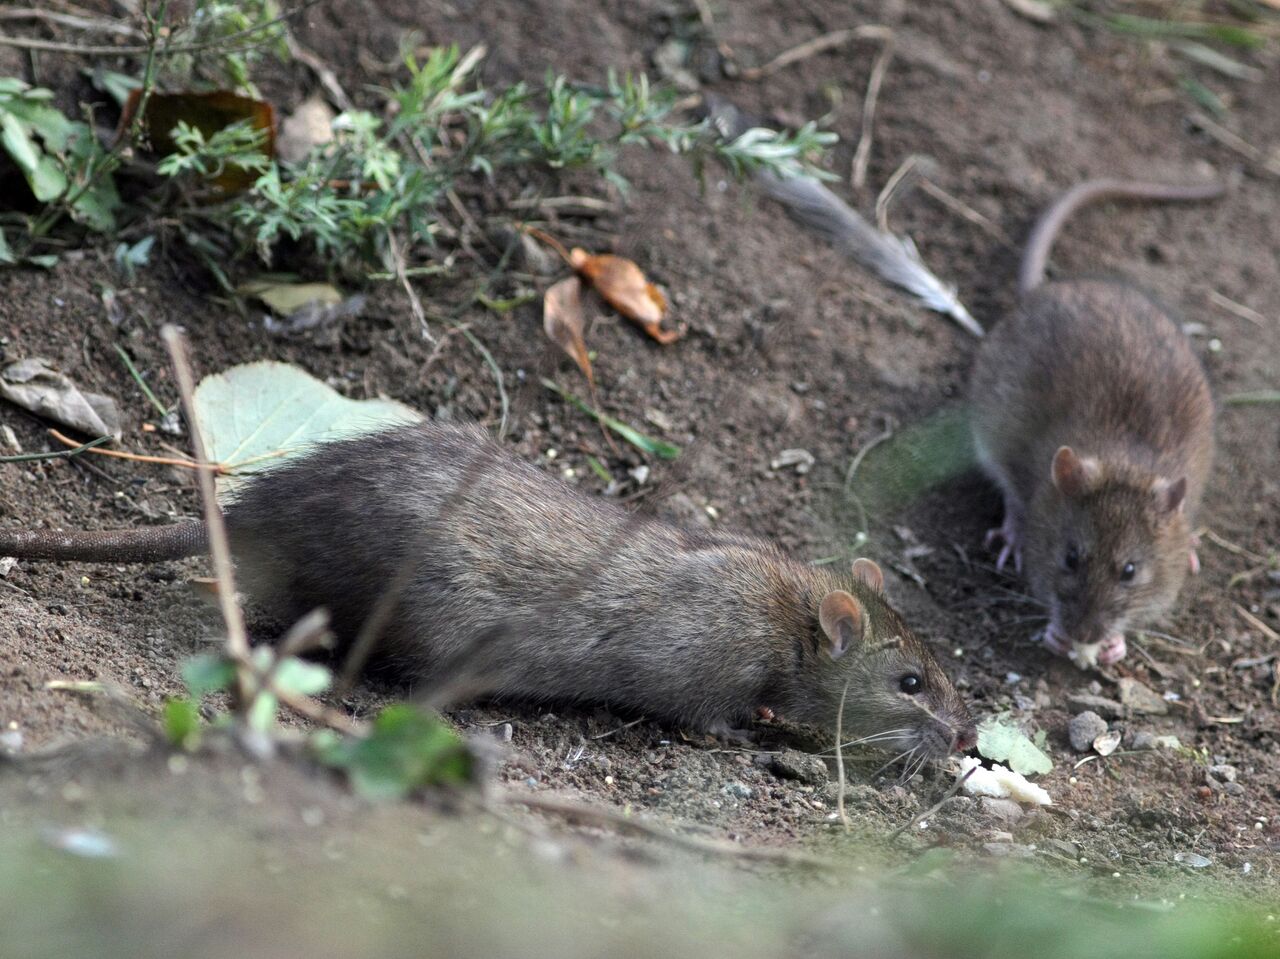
[891,187]
[118,27]
[324,73]
[862,153]
[1238,309]
[136,457]
[1258,624]
[219,549]
[1233,141]
[955,788]
[415,304]
[709,24]
[607,817]
[844,816]
[142,384]
[1231,547]
[497,375]
[827,41]
[871,444]
[29,43]
[618,729]
[958,206]
[59,455]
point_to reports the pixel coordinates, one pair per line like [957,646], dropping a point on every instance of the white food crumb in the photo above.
[999,782]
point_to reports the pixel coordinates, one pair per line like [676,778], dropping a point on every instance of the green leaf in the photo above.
[299,676]
[6,252]
[43,175]
[1003,742]
[660,448]
[252,416]
[181,722]
[116,85]
[262,712]
[405,750]
[207,673]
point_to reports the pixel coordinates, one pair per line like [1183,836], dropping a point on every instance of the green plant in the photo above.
[59,158]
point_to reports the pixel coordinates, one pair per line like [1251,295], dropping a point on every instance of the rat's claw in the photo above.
[1011,537]
[1112,650]
[1055,643]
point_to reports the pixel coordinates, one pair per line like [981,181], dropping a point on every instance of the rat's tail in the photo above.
[143,545]
[1036,255]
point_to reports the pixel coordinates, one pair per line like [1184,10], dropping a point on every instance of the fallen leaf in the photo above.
[35,385]
[309,126]
[254,415]
[208,113]
[285,299]
[1004,742]
[624,286]
[562,321]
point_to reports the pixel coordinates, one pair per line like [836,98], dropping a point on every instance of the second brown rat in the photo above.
[550,595]
[1092,414]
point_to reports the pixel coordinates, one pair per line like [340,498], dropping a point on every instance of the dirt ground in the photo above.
[788,347]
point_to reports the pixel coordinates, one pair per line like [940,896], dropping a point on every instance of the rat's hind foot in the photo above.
[733,736]
[1010,535]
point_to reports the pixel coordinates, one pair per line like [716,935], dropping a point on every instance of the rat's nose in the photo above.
[966,739]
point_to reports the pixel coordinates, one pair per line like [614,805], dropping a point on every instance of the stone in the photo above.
[737,790]
[1004,811]
[1083,729]
[1008,850]
[802,767]
[1104,707]
[1141,698]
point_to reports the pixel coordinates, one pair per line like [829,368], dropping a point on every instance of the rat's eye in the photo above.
[910,684]
[1126,574]
[1072,559]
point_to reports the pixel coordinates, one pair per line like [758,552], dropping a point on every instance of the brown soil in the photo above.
[788,347]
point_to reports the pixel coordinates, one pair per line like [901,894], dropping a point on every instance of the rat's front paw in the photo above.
[1112,650]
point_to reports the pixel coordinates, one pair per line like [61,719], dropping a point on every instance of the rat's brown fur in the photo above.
[1099,368]
[548,594]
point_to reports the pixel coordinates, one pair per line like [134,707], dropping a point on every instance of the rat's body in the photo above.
[560,596]
[1092,414]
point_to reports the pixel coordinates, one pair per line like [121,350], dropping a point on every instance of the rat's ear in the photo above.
[1170,495]
[868,573]
[1072,474]
[841,620]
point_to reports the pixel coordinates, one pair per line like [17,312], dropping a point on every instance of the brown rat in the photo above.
[1092,414]
[580,600]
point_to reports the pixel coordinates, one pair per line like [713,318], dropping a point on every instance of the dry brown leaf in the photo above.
[562,320]
[209,113]
[624,286]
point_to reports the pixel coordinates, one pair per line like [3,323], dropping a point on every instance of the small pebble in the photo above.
[737,790]
[1084,728]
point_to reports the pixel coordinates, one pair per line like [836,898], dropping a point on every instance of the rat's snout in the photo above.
[965,739]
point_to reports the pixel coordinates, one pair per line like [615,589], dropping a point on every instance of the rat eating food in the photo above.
[551,595]
[1092,414]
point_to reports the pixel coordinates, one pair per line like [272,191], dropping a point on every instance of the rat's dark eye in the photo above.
[910,684]
[1127,572]
[1072,559]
